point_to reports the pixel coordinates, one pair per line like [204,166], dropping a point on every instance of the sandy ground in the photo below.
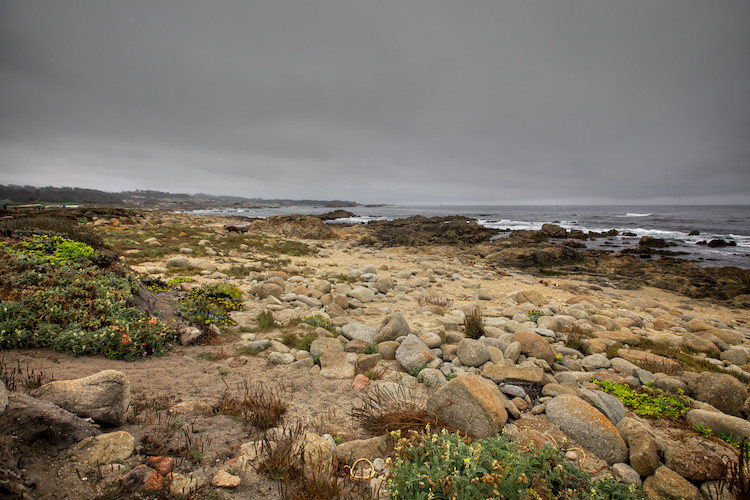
[185,374]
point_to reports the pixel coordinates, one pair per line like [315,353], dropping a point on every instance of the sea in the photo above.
[672,223]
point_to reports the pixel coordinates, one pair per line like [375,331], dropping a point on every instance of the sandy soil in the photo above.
[185,374]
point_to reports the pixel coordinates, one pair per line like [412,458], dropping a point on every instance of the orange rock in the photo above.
[360,382]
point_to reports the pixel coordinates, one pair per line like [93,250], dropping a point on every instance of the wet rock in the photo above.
[419,230]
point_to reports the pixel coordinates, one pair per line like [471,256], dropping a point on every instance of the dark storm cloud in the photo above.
[427,101]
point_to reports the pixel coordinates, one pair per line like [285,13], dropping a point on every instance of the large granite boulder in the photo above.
[720,422]
[722,391]
[104,396]
[470,404]
[588,427]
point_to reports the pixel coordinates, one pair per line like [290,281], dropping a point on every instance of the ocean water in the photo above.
[672,223]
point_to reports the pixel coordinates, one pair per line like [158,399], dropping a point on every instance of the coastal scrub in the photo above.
[62,300]
[447,466]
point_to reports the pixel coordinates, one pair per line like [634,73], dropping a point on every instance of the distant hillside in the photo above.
[142,198]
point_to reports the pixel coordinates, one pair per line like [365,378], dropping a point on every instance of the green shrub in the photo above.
[211,304]
[648,401]
[316,320]
[71,307]
[446,466]
[534,315]
[266,321]
[55,250]
[371,348]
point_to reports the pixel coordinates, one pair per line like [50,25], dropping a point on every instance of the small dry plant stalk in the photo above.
[435,299]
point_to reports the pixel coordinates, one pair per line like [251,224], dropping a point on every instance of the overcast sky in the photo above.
[423,101]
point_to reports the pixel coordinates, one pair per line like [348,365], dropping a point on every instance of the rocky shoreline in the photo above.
[556,322]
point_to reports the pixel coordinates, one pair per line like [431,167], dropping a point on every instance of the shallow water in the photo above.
[670,222]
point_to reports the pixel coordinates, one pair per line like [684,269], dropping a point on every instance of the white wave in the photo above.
[634,214]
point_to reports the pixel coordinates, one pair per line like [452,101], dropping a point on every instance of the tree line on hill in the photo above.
[14,194]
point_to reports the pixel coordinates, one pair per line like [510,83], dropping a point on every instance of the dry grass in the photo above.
[381,412]
[255,403]
[473,323]
[434,299]
[18,379]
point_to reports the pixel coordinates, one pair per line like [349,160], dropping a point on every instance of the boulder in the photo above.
[595,362]
[609,405]
[357,330]
[377,447]
[362,294]
[719,422]
[104,449]
[413,354]
[31,421]
[472,352]
[178,262]
[502,373]
[693,342]
[470,404]
[533,344]
[236,227]
[223,479]
[553,231]
[104,396]
[667,484]
[393,326]
[695,461]
[320,344]
[644,451]
[317,453]
[722,391]
[588,427]
[336,364]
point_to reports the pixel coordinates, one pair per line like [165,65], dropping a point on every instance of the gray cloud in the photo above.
[425,101]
